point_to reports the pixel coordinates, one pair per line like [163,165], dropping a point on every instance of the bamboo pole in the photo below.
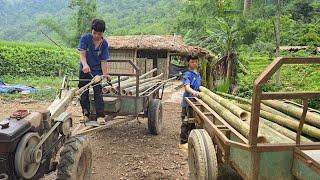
[281,129]
[232,119]
[289,123]
[127,84]
[243,115]
[143,87]
[133,84]
[263,106]
[272,135]
[123,78]
[148,73]
[311,118]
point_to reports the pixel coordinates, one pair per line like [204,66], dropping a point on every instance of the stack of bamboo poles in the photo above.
[125,81]
[279,121]
[128,86]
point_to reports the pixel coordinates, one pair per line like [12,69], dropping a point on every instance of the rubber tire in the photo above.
[71,155]
[155,117]
[202,159]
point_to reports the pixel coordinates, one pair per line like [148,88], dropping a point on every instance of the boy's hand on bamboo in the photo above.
[195,93]
[108,77]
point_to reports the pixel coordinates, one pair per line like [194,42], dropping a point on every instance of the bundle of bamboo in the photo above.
[128,86]
[124,82]
[278,123]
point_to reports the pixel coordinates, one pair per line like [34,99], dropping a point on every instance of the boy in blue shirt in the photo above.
[93,48]
[191,82]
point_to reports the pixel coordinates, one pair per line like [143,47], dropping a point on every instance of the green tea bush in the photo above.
[24,59]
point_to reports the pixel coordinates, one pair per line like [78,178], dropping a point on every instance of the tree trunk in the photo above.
[247,6]
[229,67]
[277,33]
[210,79]
[203,72]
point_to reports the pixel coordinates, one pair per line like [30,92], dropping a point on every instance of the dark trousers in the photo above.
[185,126]
[84,99]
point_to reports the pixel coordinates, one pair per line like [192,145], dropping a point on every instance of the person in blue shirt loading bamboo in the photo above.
[93,48]
[191,82]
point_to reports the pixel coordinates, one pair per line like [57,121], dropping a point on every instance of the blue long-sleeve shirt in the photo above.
[94,55]
[192,78]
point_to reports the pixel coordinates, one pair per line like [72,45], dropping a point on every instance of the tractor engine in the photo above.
[20,156]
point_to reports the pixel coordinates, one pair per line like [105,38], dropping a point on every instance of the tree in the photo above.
[86,11]
[277,33]
[302,11]
[247,6]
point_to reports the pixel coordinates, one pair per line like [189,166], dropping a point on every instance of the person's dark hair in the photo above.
[192,56]
[98,25]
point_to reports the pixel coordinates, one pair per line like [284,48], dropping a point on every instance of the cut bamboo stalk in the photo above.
[114,81]
[281,129]
[142,87]
[289,123]
[272,135]
[232,119]
[143,76]
[168,80]
[311,118]
[243,115]
[106,90]
[132,82]
[148,73]
[263,106]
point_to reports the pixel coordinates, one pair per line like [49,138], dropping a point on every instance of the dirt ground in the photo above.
[127,151]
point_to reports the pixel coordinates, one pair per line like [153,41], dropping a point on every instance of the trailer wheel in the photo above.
[202,156]
[155,117]
[75,160]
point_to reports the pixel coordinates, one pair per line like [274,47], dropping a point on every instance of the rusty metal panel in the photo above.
[276,165]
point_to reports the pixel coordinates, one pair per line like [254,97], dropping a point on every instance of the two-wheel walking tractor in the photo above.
[30,140]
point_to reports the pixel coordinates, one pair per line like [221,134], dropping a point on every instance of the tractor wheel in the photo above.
[75,159]
[28,160]
[202,156]
[155,117]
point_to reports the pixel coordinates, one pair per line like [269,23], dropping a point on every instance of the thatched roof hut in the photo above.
[170,43]
[151,51]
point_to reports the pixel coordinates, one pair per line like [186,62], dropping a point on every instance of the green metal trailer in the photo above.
[215,142]
[121,108]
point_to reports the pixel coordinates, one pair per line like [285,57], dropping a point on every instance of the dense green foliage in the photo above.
[221,27]
[25,59]
[23,20]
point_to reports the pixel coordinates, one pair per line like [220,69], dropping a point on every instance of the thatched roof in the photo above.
[170,43]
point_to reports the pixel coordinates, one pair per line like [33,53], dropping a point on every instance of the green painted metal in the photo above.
[273,165]
[123,106]
[240,158]
[276,165]
[128,106]
[303,172]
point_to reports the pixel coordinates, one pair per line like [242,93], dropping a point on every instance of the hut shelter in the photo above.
[149,51]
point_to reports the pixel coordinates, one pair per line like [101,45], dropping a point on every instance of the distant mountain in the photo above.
[19,17]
